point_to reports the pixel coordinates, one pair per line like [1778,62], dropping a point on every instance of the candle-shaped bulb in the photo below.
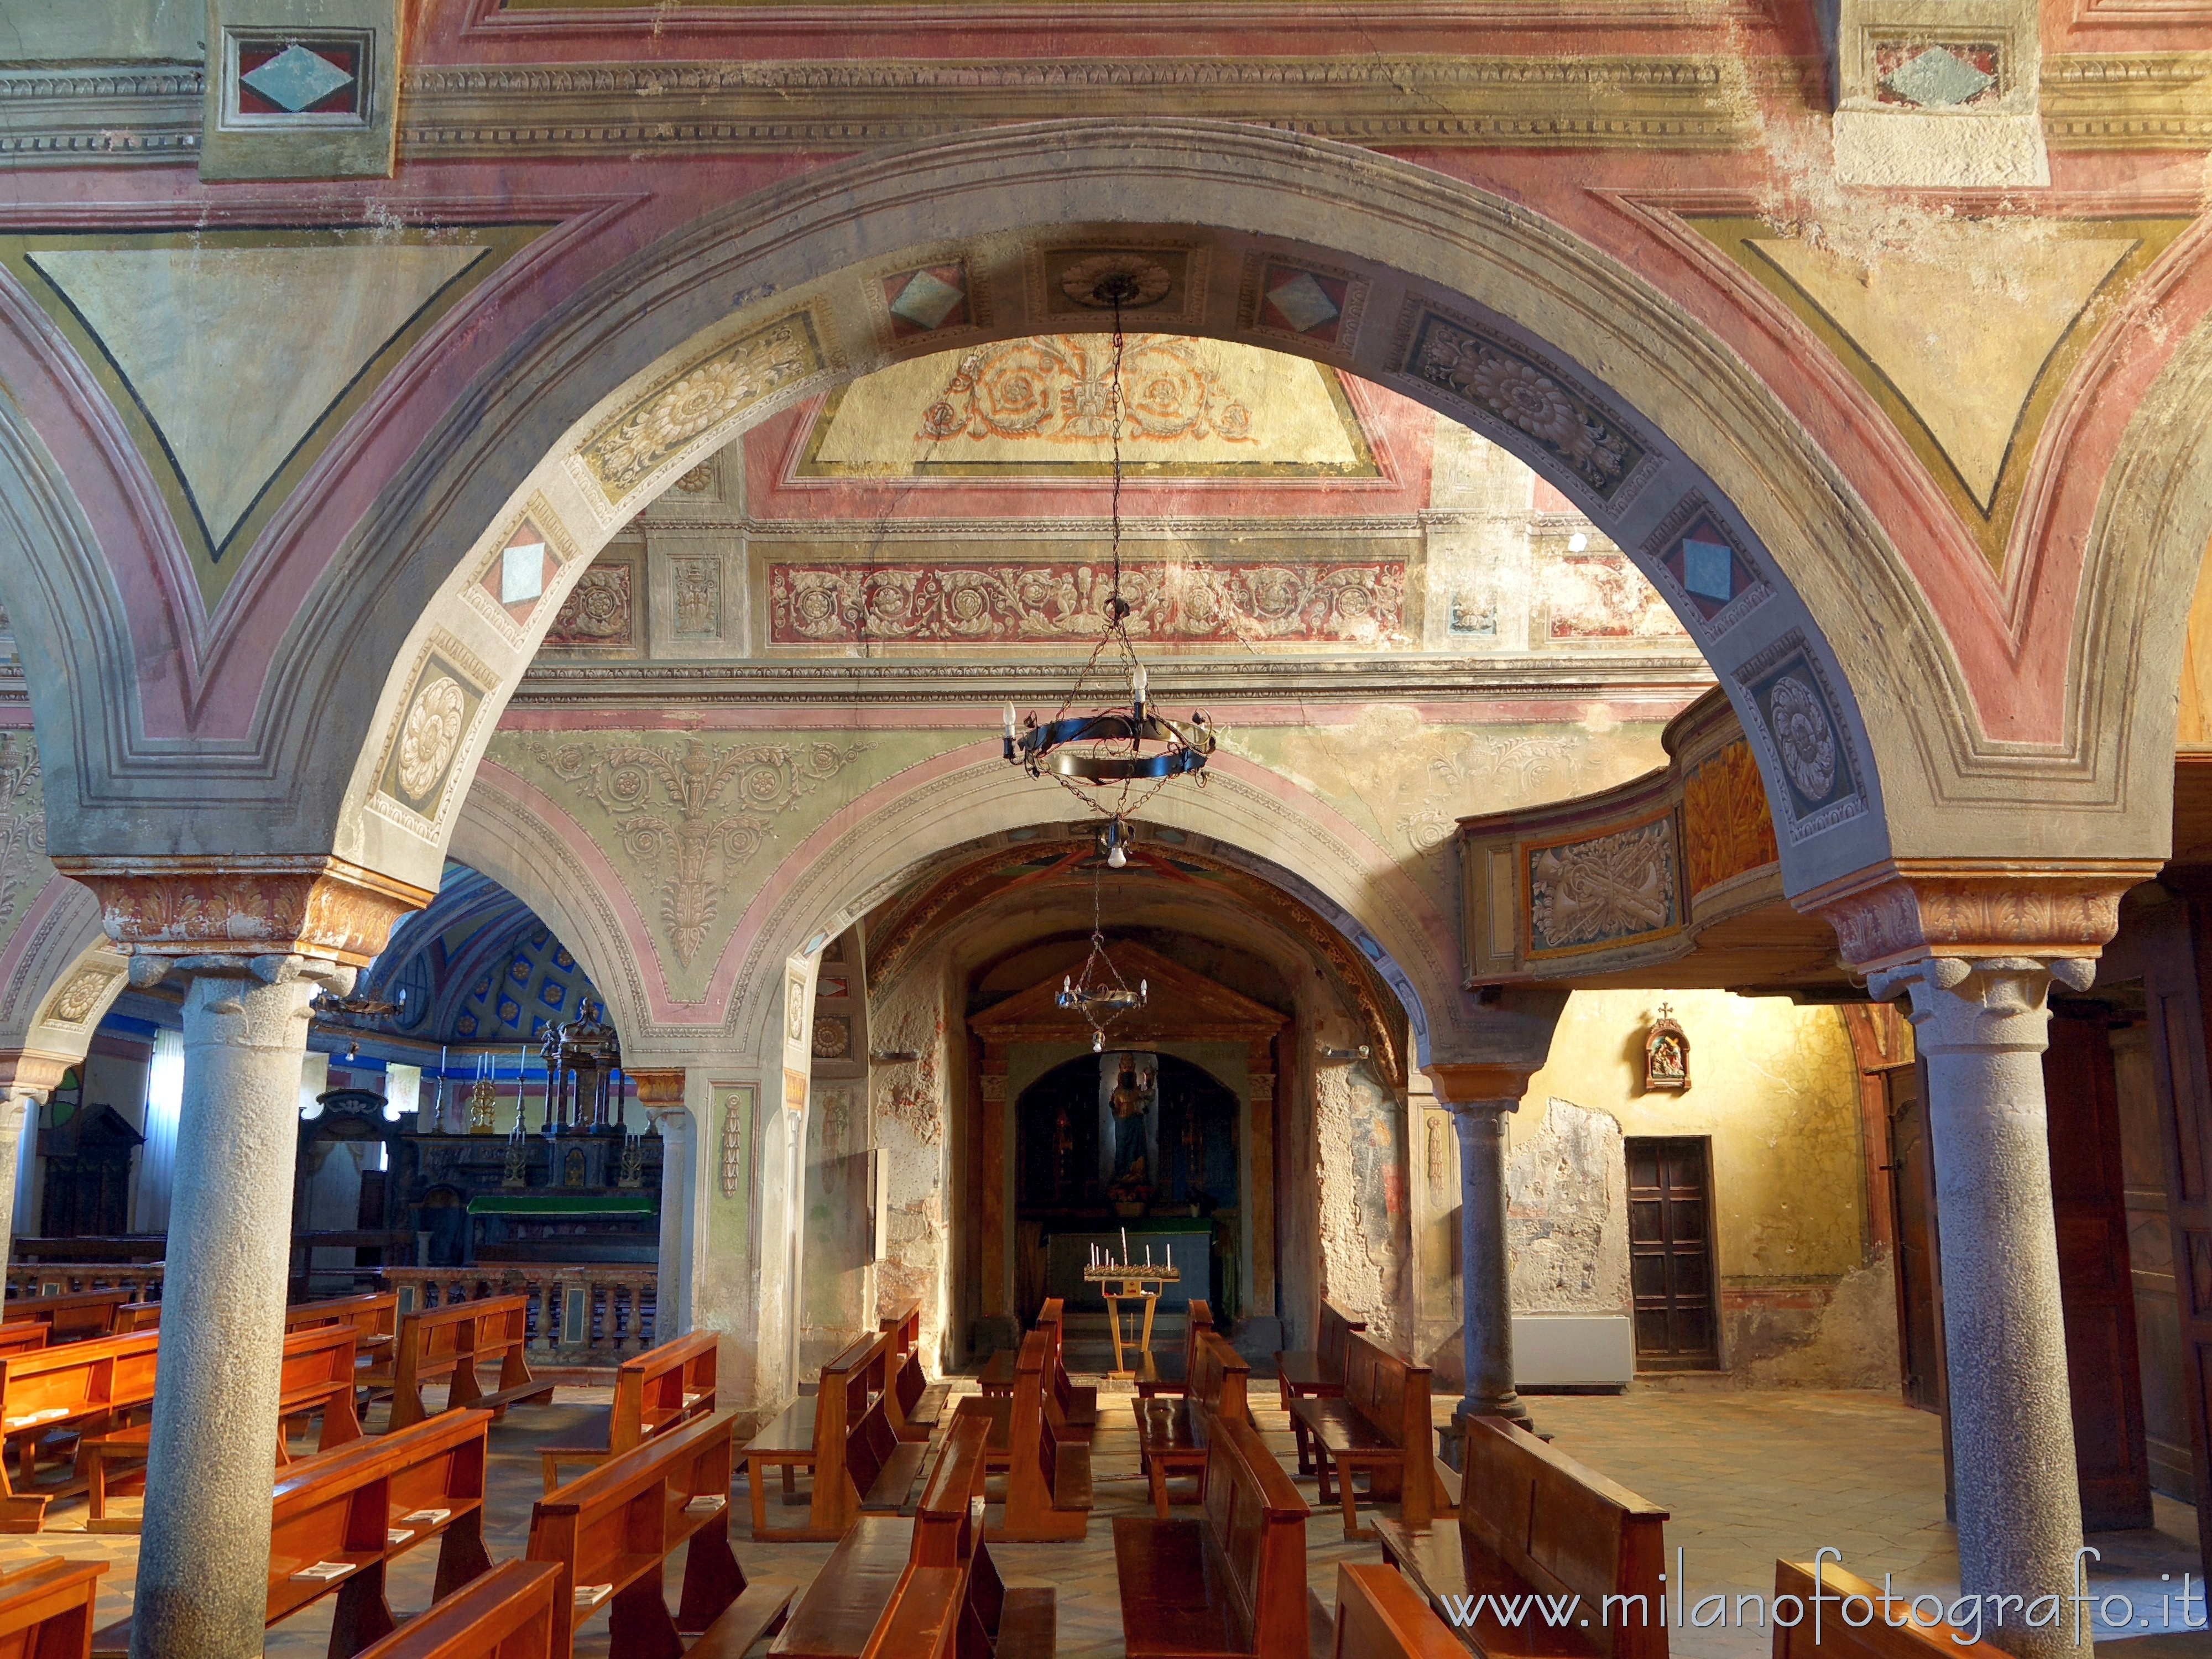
[1118,858]
[1140,680]
[1010,720]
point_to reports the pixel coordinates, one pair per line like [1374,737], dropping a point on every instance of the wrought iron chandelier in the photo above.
[1097,989]
[1136,751]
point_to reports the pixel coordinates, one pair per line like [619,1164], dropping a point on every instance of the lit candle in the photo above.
[1125,1246]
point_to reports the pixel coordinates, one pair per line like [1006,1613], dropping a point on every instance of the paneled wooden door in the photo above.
[1670,1252]
[1912,1174]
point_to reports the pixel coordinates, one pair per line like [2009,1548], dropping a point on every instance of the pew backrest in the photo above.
[616,1522]
[1333,1338]
[923,1618]
[72,1315]
[904,1325]
[1876,1638]
[45,1609]
[948,1520]
[1255,1534]
[344,1504]
[663,1389]
[78,1379]
[1380,1616]
[374,1314]
[135,1317]
[1565,1529]
[1218,1383]
[318,1370]
[449,1341]
[848,1382]
[25,1336]
[507,1614]
[1390,1391]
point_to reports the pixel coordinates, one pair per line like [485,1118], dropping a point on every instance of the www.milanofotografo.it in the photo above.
[1964,1619]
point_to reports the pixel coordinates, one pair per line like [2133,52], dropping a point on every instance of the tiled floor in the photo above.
[1746,1476]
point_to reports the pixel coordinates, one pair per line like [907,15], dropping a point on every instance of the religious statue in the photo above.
[1666,1053]
[1130,1100]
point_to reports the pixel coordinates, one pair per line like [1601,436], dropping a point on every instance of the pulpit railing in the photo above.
[579,1314]
[142,1279]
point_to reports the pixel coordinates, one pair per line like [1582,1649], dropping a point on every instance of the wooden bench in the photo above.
[26,1336]
[1380,1616]
[1233,1581]
[1534,1522]
[1172,1431]
[916,1405]
[1168,1373]
[449,1342]
[374,1315]
[137,1316]
[1048,1474]
[45,1609]
[316,1378]
[661,1389]
[1073,1409]
[1875,1639]
[70,1316]
[1315,1374]
[611,1531]
[1379,1425]
[336,1518]
[881,1467]
[895,1587]
[506,1615]
[80,1388]
[811,1433]
[997,1376]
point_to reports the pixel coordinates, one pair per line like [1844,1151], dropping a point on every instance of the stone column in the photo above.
[253,937]
[1982,1027]
[1976,948]
[26,1078]
[661,1092]
[1479,1097]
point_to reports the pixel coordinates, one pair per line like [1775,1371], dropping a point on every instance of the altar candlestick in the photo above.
[1125,1247]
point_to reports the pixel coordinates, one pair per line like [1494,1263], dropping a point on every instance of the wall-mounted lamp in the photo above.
[1344,1055]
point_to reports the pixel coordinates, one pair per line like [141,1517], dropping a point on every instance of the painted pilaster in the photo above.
[661,1094]
[1480,1098]
[1982,1027]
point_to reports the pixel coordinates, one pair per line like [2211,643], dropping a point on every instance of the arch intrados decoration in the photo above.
[653,368]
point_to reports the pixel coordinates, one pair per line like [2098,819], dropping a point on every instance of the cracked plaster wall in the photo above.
[906,1015]
[1359,1143]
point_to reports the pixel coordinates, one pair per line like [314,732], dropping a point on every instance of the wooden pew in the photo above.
[26,1336]
[316,1378]
[661,1389]
[1172,1431]
[997,1375]
[1534,1520]
[507,1614]
[880,1466]
[137,1316]
[1315,1374]
[357,1507]
[86,1387]
[1380,1616]
[45,1609]
[1073,1410]
[70,1316]
[609,1531]
[1168,1373]
[1231,1583]
[1876,1639]
[1379,1424]
[925,1588]
[1048,1474]
[916,1405]
[374,1315]
[811,1433]
[450,1342]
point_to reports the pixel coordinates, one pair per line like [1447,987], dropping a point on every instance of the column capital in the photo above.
[1467,1088]
[1980,1005]
[1905,911]
[27,1074]
[660,1088]
[246,906]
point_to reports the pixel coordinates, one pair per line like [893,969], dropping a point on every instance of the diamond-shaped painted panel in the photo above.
[297,79]
[1707,570]
[1937,76]
[926,300]
[1301,302]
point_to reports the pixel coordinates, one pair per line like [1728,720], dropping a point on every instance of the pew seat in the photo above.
[1172,1431]
[1169,1373]
[1379,1426]
[1315,1373]
[45,1609]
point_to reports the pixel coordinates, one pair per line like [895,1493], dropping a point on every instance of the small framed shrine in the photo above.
[1666,1054]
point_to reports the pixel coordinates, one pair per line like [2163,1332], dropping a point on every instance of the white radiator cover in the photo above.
[1557,1349]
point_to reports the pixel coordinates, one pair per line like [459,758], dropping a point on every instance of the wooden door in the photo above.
[1670,1253]
[1911,1171]
[2089,1202]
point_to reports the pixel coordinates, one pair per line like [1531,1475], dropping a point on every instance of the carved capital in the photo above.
[661,1089]
[248,906]
[1989,1005]
[1906,909]
[1469,1088]
[27,1074]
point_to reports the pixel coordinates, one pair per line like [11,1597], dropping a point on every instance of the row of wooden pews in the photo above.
[846,1437]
